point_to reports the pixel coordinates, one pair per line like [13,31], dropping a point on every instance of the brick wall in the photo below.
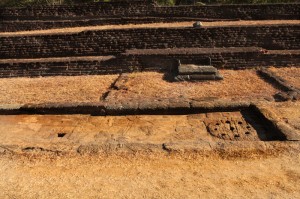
[65,68]
[111,42]
[148,8]
[25,25]
[103,9]
[248,12]
[139,11]
[230,58]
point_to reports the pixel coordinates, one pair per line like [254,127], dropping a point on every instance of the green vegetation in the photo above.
[161,2]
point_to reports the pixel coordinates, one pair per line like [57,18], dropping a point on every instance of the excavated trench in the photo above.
[152,126]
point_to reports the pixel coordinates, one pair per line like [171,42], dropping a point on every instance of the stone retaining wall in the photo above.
[148,8]
[230,58]
[26,25]
[112,42]
[140,11]
[101,9]
[245,11]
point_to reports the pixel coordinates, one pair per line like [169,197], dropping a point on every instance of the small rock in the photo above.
[197,24]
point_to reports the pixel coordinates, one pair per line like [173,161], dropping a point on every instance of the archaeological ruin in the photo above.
[134,77]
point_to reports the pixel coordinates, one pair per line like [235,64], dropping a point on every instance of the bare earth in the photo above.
[152,25]
[139,175]
[291,75]
[150,177]
[54,89]
[242,84]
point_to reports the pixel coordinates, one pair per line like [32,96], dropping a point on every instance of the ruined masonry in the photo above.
[225,80]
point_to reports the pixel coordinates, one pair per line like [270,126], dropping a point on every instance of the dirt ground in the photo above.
[242,84]
[237,84]
[152,25]
[150,177]
[144,174]
[139,175]
[54,89]
[291,75]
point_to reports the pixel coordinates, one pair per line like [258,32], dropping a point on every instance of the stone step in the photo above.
[189,69]
[192,72]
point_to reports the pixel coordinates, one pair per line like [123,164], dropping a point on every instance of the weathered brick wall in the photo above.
[229,58]
[147,8]
[239,58]
[103,9]
[65,68]
[110,42]
[140,11]
[24,25]
[253,11]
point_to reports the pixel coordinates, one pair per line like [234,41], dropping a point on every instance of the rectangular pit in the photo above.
[239,125]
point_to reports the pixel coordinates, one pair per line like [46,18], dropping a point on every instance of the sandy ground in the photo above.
[153,25]
[240,84]
[236,85]
[54,89]
[150,177]
[291,75]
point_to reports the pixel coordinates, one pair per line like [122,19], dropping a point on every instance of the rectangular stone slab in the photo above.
[198,77]
[188,69]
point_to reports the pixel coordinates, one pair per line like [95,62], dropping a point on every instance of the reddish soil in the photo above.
[291,75]
[41,173]
[241,84]
[54,89]
[150,177]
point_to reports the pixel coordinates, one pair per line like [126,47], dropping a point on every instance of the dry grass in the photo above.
[291,75]
[236,84]
[153,25]
[54,89]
